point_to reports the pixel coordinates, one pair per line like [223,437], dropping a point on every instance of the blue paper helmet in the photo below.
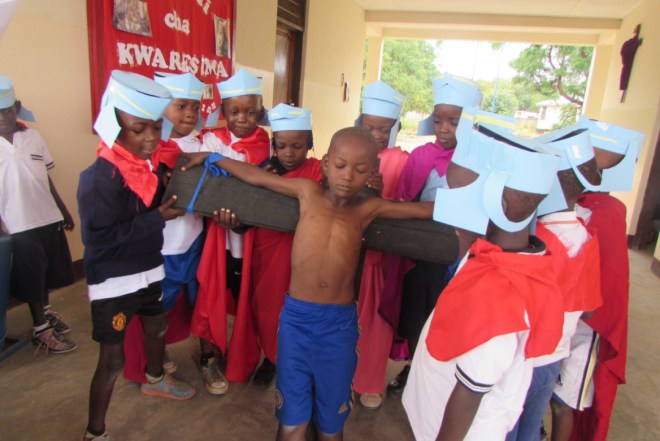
[241,83]
[619,140]
[185,86]
[136,95]
[284,117]
[8,98]
[573,146]
[379,99]
[7,8]
[454,90]
[498,165]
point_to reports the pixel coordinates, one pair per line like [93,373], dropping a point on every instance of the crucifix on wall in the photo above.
[628,50]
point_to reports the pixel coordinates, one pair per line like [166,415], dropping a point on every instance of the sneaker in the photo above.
[265,374]
[214,380]
[52,342]
[169,387]
[396,386]
[169,366]
[56,322]
[90,437]
[371,401]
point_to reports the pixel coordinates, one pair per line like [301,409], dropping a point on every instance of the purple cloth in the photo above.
[418,167]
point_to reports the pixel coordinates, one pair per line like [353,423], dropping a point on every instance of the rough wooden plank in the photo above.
[256,206]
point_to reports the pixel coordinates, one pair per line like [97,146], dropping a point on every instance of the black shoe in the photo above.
[396,386]
[265,374]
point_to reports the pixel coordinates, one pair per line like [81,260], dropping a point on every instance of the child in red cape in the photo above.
[224,270]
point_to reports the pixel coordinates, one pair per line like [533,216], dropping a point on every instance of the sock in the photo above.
[94,434]
[46,307]
[153,379]
[41,328]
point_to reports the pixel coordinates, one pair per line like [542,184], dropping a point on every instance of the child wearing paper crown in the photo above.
[257,318]
[381,110]
[183,238]
[413,287]
[616,149]
[472,367]
[576,265]
[224,271]
[32,212]
[119,198]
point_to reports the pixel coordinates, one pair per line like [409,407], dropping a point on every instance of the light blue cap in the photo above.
[136,95]
[618,140]
[8,98]
[7,8]
[185,86]
[379,99]
[241,83]
[454,90]
[498,165]
[285,117]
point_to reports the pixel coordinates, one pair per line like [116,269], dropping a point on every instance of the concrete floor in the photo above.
[44,397]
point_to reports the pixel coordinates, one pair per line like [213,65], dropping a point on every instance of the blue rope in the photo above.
[209,165]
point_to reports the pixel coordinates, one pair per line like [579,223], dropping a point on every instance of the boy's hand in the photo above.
[270,168]
[67,223]
[168,212]
[193,159]
[166,177]
[226,218]
[375,182]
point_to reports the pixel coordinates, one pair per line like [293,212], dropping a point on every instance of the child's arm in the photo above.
[403,210]
[68,223]
[459,413]
[254,175]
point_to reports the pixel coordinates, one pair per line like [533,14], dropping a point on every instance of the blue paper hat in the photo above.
[379,99]
[241,83]
[8,98]
[136,95]
[619,140]
[285,117]
[185,86]
[498,165]
[7,8]
[454,90]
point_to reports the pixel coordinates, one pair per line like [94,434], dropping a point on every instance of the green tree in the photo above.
[408,67]
[555,70]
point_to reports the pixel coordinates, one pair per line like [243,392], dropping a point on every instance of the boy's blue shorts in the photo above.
[316,359]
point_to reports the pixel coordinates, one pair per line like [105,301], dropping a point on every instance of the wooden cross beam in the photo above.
[413,238]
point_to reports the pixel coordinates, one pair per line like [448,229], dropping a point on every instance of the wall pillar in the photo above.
[374,59]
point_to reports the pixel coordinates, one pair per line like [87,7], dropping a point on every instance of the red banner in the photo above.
[148,36]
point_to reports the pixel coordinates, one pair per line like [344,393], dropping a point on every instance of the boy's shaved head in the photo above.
[571,185]
[519,205]
[357,136]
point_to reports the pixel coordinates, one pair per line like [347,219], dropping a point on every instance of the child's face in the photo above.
[242,114]
[379,127]
[139,136]
[606,159]
[184,114]
[8,118]
[445,121]
[291,147]
[348,165]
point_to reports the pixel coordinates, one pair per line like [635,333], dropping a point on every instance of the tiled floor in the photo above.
[44,397]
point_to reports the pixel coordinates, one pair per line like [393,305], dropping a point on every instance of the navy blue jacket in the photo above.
[122,236]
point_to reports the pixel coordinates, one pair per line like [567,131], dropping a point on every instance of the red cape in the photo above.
[271,274]
[376,334]
[608,219]
[489,297]
[578,277]
[214,300]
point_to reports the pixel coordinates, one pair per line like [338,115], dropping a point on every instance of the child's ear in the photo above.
[324,165]
[262,113]
[310,141]
[18,106]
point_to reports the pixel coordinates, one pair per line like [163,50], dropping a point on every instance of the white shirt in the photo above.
[433,182]
[120,286]
[180,233]
[25,198]
[572,234]
[211,143]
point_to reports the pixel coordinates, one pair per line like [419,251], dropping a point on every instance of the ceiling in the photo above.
[585,22]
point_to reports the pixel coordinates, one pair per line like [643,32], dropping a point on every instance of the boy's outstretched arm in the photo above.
[403,210]
[459,413]
[254,175]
